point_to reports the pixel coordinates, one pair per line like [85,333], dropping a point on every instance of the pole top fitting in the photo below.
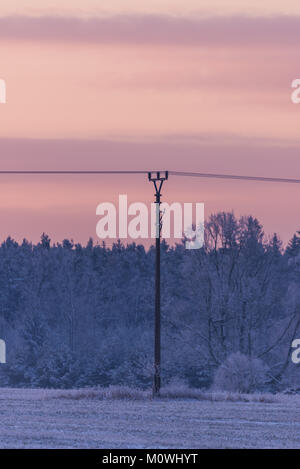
[158,175]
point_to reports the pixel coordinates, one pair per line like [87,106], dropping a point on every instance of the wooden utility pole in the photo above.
[158,179]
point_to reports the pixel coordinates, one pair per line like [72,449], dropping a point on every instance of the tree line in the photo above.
[74,315]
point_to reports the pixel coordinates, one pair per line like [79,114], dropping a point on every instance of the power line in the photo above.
[232,176]
[171,173]
[70,172]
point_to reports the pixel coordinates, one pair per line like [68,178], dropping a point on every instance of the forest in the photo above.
[77,315]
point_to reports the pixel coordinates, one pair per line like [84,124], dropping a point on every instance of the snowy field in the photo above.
[62,419]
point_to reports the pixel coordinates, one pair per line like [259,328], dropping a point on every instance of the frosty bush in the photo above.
[240,373]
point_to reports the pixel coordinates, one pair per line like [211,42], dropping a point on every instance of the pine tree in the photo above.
[293,247]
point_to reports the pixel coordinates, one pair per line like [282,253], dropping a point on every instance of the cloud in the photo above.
[233,31]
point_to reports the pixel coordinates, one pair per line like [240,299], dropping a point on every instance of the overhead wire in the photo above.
[171,173]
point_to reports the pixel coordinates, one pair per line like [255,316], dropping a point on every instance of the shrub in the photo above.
[240,373]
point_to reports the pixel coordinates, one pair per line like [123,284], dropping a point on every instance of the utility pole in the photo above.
[158,179]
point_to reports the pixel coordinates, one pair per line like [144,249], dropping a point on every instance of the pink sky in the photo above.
[172,7]
[148,85]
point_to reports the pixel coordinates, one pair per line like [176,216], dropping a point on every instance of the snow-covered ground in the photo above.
[54,419]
